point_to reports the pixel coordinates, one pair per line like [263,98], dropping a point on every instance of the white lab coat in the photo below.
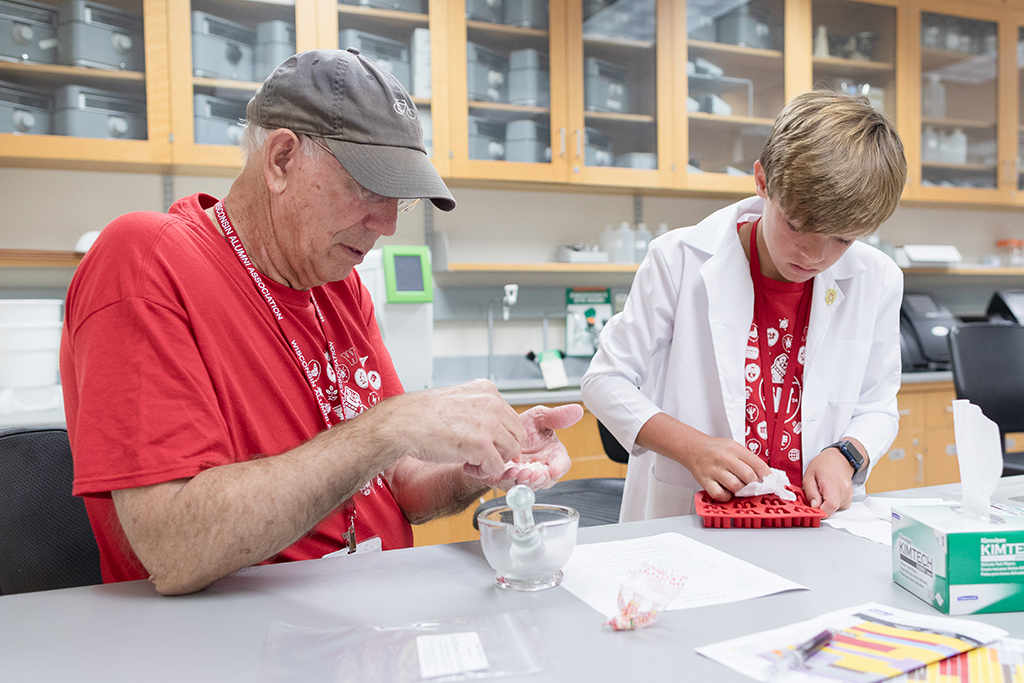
[678,348]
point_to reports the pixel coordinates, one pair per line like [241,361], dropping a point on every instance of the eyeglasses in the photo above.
[405,204]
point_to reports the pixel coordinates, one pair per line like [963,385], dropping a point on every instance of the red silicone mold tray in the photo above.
[754,512]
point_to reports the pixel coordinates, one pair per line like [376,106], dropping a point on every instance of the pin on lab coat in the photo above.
[679,346]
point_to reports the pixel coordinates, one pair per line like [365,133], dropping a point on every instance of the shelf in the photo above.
[506,31]
[957,167]
[57,74]
[536,274]
[225,84]
[387,15]
[841,66]
[38,258]
[701,118]
[959,123]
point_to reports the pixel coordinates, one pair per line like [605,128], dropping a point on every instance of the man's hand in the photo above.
[828,481]
[543,459]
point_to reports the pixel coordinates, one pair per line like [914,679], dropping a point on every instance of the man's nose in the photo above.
[383,218]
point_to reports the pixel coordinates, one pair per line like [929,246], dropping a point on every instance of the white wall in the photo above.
[50,209]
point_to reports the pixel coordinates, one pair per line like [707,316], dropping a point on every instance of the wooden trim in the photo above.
[799,31]
[39,258]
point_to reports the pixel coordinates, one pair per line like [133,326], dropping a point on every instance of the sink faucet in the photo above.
[507,302]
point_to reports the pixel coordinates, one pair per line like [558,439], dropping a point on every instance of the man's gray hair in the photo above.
[254,137]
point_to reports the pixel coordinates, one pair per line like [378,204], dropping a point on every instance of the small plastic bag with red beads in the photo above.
[645,592]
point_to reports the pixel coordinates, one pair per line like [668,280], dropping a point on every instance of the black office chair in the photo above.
[988,370]
[598,500]
[45,538]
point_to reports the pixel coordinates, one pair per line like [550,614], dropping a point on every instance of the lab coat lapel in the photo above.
[730,311]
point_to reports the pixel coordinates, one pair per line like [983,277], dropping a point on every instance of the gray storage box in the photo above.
[597,148]
[644,160]
[222,48]
[527,140]
[746,26]
[486,139]
[485,10]
[275,42]
[28,32]
[218,120]
[91,34]
[526,13]
[400,5]
[93,113]
[390,55]
[486,74]
[23,110]
[528,78]
[604,86]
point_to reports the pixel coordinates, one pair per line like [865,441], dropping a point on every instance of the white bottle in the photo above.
[933,102]
[662,229]
[643,238]
[958,147]
[625,243]
[608,242]
[929,145]
[944,156]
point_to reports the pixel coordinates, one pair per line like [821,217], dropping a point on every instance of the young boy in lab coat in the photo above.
[766,335]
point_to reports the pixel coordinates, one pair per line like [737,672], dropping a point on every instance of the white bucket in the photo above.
[30,310]
[29,354]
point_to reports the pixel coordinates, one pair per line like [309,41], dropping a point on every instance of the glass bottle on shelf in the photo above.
[959,102]
[736,83]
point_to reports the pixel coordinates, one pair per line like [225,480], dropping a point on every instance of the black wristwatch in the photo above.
[850,452]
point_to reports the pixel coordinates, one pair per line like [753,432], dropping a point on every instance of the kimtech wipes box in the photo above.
[956,564]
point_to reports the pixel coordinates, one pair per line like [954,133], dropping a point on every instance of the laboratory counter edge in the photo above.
[126,632]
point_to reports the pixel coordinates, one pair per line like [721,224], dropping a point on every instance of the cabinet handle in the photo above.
[579,143]
[561,134]
[905,411]
[919,479]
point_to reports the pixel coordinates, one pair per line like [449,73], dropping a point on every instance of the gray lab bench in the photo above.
[127,632]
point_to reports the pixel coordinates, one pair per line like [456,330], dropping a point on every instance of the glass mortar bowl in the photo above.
[529,570]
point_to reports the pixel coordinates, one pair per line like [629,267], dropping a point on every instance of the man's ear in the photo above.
[280,154]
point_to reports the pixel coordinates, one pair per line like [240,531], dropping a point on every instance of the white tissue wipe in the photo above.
[775,482]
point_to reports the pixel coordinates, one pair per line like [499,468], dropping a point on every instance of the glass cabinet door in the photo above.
[79,69]
[854,50]
[959,60]
[221,52]
[507,89]
[735,77]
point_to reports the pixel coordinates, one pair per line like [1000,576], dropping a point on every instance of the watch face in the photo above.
[851,453]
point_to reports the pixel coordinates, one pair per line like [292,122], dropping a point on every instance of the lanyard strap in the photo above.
[239,250]
[774,420]
[325,407]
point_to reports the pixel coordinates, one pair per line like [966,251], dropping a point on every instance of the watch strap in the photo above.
[850,452]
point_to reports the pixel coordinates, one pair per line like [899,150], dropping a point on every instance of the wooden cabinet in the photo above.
[924,451]
[588,461]
[109,116]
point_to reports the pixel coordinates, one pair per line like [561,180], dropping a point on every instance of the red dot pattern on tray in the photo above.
[756,512]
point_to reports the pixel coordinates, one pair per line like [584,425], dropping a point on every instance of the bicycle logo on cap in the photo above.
[403,109]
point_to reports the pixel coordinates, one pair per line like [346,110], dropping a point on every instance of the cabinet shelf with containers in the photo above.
[506,79]
[81,84]
[853,49]
[959,104]
[220,53]
[736,86]
[621,80]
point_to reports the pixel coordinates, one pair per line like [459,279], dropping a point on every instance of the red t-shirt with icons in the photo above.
[766,376]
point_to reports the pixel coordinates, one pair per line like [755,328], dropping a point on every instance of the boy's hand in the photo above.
[828,481]
[722,467]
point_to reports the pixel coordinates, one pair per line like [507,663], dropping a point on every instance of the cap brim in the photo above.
[393,171]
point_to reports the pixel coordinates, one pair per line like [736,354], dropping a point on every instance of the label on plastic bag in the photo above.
[448,654]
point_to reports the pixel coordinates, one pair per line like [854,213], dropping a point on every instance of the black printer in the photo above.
[924,328]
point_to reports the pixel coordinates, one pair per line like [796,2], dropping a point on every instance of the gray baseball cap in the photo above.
[362,112]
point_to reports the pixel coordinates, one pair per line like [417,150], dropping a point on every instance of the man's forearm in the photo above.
[189,533]
[426,491]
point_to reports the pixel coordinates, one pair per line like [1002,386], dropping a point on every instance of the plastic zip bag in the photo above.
[510,642]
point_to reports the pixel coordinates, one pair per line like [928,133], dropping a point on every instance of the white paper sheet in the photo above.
[871,519]
[595,572]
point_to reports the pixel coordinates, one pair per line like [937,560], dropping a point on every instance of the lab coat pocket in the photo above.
[848,366]
[667,500]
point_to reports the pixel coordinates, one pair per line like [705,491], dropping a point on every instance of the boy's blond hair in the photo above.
[834,164]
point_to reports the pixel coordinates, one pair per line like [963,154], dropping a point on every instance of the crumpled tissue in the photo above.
[776,483]
[980,455]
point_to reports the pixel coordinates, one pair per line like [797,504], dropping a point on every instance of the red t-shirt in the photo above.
[785,345]
[172,363]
